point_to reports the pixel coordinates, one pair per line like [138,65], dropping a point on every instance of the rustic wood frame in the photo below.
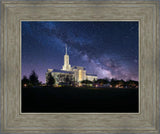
[145,12]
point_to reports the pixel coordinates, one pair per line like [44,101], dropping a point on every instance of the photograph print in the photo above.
[79,67]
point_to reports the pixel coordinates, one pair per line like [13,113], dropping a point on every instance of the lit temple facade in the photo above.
[74,74]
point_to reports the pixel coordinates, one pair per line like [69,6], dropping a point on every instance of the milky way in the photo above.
[108,49]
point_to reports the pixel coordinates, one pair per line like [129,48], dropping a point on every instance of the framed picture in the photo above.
[80,66]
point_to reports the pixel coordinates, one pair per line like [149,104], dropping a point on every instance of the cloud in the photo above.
[85,57]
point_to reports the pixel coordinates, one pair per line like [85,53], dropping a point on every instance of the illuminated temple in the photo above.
[68,73]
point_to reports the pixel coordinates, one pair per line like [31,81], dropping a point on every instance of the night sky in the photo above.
[108,49]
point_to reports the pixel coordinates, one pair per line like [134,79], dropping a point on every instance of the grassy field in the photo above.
[67,99]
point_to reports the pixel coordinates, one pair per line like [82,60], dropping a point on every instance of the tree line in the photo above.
[111,83]
[33,80]
[50,81]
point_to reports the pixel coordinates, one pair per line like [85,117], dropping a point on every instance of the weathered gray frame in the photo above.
[146,121]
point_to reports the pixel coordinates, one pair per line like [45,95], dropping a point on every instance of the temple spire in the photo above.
[66,66]
[66,49]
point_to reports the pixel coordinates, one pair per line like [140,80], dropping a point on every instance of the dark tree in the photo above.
[113,82]
[25,81]
[69,79]
[87,82]
[33,78]
[106,80]
[131,83]
[50,80]
[102,81]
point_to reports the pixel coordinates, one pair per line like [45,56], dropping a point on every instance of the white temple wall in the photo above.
[91,78]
